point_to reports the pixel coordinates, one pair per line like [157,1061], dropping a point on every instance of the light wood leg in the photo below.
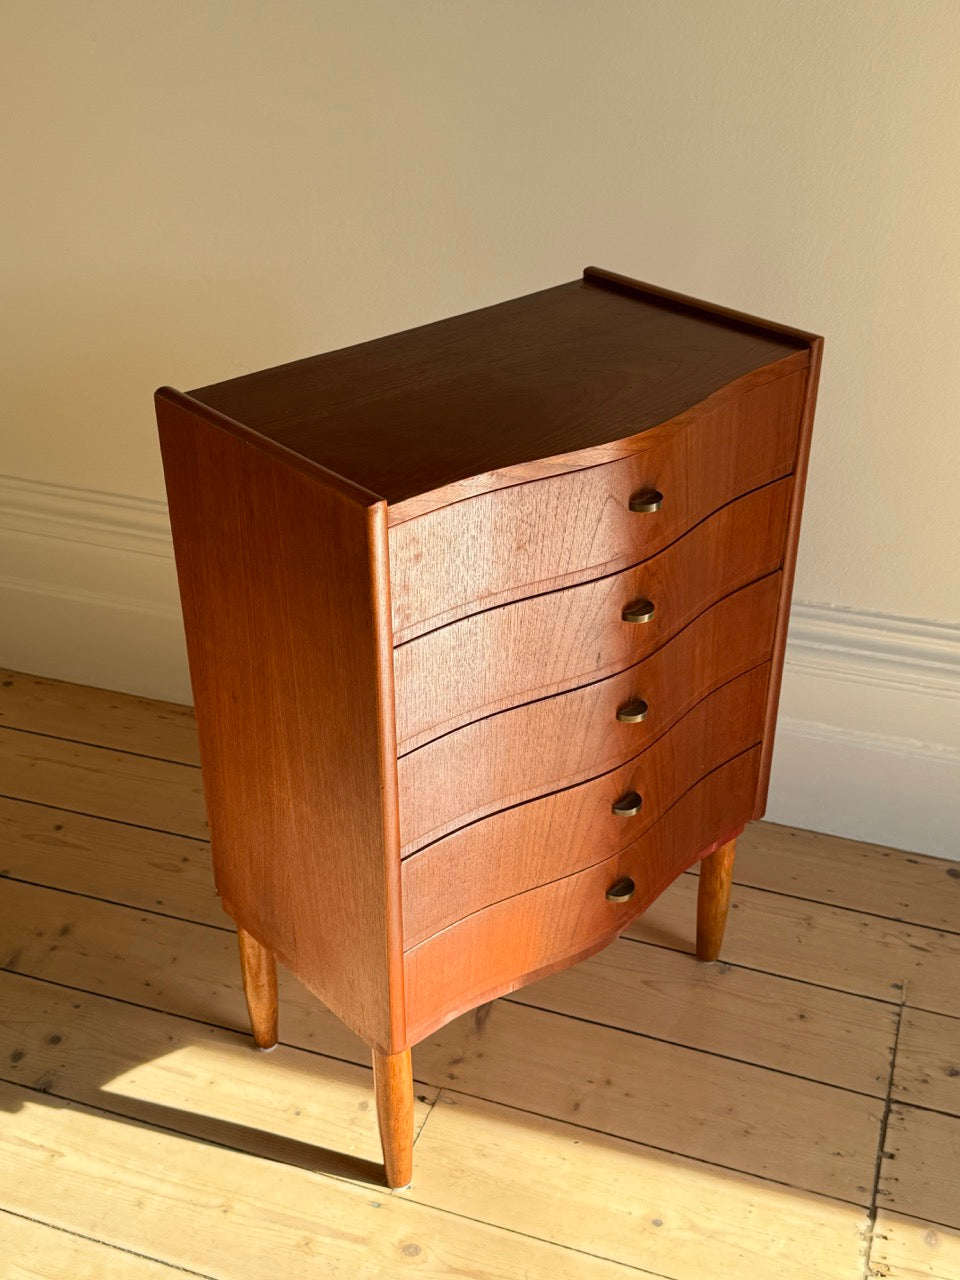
[713,899]
[393,1084]
[260,987]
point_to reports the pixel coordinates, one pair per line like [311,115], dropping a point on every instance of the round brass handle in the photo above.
[621,890]
[647,500]
[633,712]
[639,611]
[628,804]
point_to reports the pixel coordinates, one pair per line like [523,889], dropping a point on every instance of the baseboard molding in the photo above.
[88,589]
[868,743]
[868,739]
[87,516]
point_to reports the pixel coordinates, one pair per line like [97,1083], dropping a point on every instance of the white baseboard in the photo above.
[868,743]
[88,589]
[868,739]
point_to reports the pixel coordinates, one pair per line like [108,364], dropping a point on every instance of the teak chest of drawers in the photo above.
[486,623]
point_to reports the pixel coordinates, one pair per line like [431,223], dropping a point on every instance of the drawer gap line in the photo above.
[395,523]
[600,577]
[587,684]
[580,870]
[585,782]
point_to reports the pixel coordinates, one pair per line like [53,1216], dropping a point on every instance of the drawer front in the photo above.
[543,746]
[551,533]
[522,938]
[559,834]
[546,644]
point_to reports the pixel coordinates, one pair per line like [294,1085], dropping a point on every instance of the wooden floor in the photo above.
[791,1112]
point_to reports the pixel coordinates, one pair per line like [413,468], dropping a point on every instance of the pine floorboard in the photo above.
[907,1248]
[928,1062]
[34,1251]
[792,1111]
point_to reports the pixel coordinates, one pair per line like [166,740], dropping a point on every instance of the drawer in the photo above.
[569,528]
[542,746]
[558,834]
[525,937]
[546,644]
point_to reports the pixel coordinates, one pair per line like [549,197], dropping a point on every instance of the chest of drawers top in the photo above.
[559,379]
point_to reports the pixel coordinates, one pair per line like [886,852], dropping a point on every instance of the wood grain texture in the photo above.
[98,717]
[155,961]
[848,873]
[530,935]
[485,464]
[814,345]
[880,957]
[554,372]
[559,464]
[103,783]
[572,829]
[393,1086]
[660,995]
[906,1248]
[556,532]
[927,1072]
[286,608]
[713,900]
[549,643]
[576,735]
[35,1251]
[739,1115]
[643,1207]
[684,303]
[203,1081]
[156,870]
[135,1181]
[683,1090]
[729,1010]
[920,1173]
[789,568]
[800,1133]
[259,971]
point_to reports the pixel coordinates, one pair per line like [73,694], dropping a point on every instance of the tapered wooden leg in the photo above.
[393,1084]
[713,899]
[260,987]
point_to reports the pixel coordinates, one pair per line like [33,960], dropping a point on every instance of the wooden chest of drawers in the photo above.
[486,623]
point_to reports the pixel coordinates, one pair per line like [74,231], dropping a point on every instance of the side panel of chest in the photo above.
[283,584]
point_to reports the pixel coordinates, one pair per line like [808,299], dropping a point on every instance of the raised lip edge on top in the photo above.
[513,474]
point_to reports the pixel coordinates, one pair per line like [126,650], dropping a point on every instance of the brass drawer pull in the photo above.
[633,712]
[647,500]
[621,890]
[639,611]
[628,805]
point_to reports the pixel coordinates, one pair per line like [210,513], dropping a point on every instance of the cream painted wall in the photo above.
[196,189]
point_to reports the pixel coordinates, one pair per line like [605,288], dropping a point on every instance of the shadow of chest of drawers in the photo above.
[485,623]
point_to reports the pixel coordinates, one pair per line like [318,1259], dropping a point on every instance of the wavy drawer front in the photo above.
[511,757]
[546,644]
[526,937]
[559,834]
[569,528]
